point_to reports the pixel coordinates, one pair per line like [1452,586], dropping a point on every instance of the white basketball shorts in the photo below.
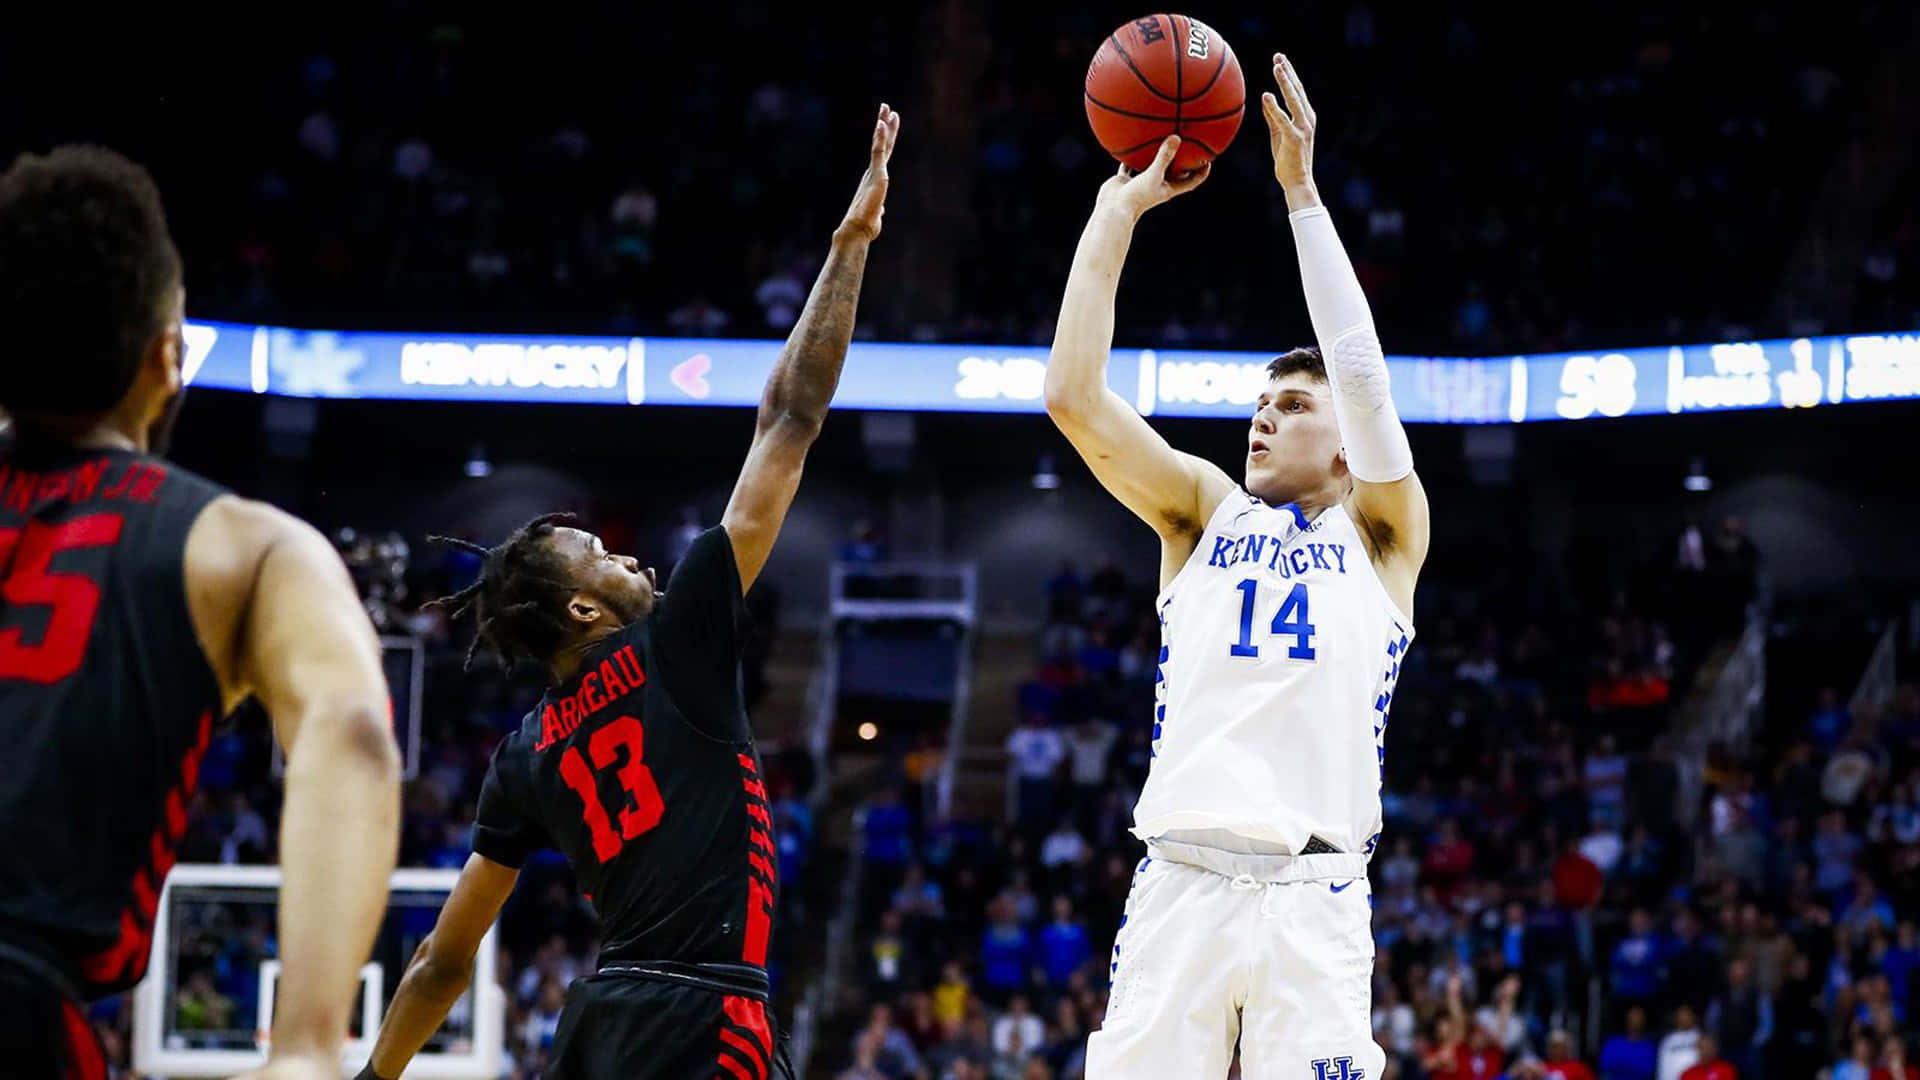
[1278,956]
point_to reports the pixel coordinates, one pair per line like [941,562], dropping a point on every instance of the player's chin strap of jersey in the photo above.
[1376,443]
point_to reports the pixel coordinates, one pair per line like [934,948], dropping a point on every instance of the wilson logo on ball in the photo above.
[1165,75]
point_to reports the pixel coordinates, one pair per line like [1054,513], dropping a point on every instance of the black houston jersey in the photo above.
[106,699]
[641,769]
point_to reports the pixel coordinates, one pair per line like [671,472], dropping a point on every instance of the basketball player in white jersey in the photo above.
[1285,608]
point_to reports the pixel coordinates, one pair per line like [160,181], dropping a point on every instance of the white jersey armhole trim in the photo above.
[1236,501]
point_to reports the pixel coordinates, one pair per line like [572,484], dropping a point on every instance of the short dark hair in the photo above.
[1305,360]
[520,600]
[87,267]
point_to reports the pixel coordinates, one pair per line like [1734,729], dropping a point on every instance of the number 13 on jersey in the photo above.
[1292,620]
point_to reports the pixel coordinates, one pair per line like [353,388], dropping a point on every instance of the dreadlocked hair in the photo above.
[519,604]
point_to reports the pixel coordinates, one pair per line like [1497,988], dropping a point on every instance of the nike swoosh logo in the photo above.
[1341,888]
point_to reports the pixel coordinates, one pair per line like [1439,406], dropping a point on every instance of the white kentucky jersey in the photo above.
[1279,649]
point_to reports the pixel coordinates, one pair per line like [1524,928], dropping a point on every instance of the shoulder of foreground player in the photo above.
[226,551]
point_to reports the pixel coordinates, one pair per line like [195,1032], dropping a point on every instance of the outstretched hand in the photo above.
[870,198]
[1140,192]
[1290,129]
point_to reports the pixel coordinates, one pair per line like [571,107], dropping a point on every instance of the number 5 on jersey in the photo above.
[1289,621]
[641,809]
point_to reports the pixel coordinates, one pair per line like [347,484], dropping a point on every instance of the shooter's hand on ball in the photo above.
[870,199]
[1137,193]
[1290,135]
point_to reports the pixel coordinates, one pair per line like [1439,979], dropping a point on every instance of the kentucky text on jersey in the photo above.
[106,480]
[1228,552]
[617,676]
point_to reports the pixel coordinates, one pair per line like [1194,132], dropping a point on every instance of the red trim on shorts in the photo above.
[750,1014]
[746,1051]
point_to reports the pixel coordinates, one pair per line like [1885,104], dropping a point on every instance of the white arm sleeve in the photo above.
[1376,443]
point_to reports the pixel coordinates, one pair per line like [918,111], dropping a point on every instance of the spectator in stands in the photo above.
[1629,1054]
[200,1006]
[1560,1063]
[1638,960]
[1830,722]
[1063,850]
[866,1058]
[1064,949]
[1741,1020]
[544,1020]
[1857,1065]
[1036,751]
[920,898]
[1834,849]
[1710,1066]
[1866,911]
[863,544]
[1018,1034]
[1395,1025]
[953,995]
[1898,962]
[888,1049]
[889,963]
[1848,770]
[1066,1040]
[1447,1056]
[886,830]
[1680,1050]
[967,1049]
[1501,1020]
[1894,1064]
[1006,952]
[1449,860]
[1692,959]
[1090,743]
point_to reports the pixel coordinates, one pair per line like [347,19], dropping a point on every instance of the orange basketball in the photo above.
[1165,75]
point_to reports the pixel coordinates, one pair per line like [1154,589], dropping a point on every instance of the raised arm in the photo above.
[442,967]
[280,620]
[794,405]
[1387,499]
[1173,492]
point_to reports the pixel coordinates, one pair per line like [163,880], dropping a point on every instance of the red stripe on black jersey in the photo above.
[127,956]
[761,876]
[85,1061]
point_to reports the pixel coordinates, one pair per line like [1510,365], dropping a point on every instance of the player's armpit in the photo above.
[442,967]
[1394,519]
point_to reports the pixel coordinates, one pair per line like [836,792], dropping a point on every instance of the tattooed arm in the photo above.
[804,378]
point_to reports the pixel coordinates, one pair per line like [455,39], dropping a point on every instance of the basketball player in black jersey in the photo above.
[138,605]
[639,764]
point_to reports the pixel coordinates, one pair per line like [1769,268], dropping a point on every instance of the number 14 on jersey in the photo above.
[1292,620]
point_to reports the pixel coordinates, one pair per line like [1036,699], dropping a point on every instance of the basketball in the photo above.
[1164,75]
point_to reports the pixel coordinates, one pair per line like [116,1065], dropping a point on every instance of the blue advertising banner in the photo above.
[1796,373]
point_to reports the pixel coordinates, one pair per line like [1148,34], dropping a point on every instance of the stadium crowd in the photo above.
[1604,192]
[1545,905]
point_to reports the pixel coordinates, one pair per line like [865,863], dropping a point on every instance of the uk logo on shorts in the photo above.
[1340,1068]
